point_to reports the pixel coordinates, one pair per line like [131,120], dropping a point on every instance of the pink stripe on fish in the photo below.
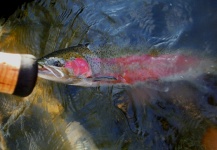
[135,68]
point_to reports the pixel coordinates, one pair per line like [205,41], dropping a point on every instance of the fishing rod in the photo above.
[18,73]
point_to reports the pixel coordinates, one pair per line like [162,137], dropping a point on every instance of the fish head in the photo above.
[69,71]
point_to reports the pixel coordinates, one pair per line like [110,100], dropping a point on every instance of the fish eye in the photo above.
[54,61]
[57,63]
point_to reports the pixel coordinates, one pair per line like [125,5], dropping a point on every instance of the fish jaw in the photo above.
[58,74]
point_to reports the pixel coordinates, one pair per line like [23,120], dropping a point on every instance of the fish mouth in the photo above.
[53,73]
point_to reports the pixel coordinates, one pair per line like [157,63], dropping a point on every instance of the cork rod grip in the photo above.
[18,73]
[9,71]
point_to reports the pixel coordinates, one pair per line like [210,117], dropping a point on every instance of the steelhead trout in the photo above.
[79,66]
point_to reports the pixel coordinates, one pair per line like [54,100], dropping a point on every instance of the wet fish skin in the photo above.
[80,50]
[79,66]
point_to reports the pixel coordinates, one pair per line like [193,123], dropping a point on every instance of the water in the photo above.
[155,115]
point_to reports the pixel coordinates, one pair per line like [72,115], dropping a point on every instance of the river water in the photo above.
[154,115]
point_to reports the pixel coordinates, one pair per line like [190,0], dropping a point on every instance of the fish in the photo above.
[78,65]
